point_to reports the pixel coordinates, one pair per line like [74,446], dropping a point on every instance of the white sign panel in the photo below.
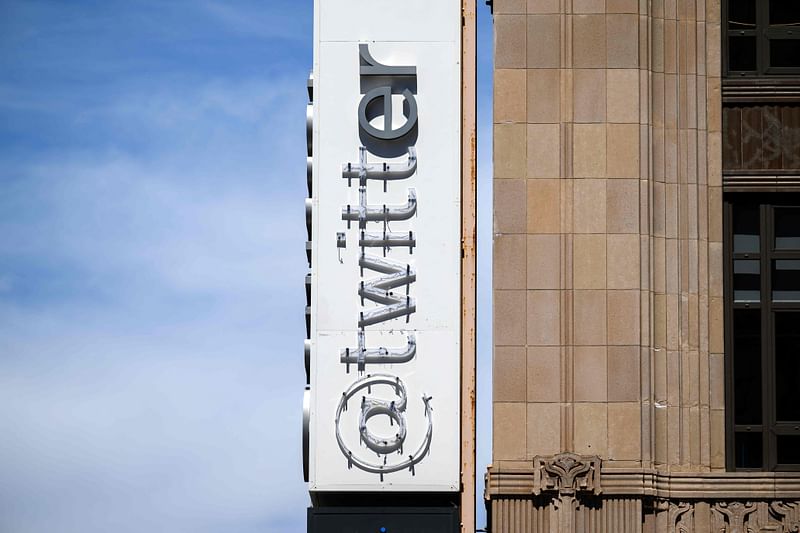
[385,217]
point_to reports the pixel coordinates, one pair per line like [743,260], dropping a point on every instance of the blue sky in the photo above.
[152,178]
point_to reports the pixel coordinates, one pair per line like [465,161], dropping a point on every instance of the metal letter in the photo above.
[369,109]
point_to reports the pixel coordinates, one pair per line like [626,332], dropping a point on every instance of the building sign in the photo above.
[384,217]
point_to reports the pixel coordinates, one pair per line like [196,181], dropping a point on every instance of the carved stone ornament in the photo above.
[787,514]
[566,474]
[730,517]
[680,517]
[756,517]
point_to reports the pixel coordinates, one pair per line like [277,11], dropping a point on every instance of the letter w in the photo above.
[380,290]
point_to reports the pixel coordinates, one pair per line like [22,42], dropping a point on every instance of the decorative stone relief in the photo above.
[734,516]
[565,476]
[569,498]
[787,513]
[781,517]
[729,517]
[680,517]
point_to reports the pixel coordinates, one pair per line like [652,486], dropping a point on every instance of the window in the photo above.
[762,293]
[762,38]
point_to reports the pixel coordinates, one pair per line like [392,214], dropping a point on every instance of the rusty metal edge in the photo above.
[468,260]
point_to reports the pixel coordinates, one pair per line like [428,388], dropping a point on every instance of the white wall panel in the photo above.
[425,35]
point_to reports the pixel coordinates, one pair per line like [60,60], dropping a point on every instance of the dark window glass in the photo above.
[787,366]
[747,365]
[787,228]
[762,37]
[763,325]
[786,280]
[745,229]
[783,12]
[746,280]
[742,53]
[742,13]
[788,449]
[748,450]
[784,53]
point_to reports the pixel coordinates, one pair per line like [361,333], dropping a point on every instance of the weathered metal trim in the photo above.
[469,190]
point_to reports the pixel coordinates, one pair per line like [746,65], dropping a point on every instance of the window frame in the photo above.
[769,427]
[764,35]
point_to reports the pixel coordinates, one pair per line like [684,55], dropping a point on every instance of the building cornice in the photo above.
[520,481]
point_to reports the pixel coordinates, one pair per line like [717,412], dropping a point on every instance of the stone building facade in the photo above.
[614,306]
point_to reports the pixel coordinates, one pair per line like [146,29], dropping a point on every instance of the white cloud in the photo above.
[278,22]
[132,438]
[190,217]
[162,392]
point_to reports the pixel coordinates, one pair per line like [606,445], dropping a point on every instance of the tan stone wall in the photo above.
[608,333]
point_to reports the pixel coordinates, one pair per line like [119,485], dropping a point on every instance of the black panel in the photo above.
[786,280]
[787,228]
[787,366]
[782,12]
[742,53]
[746,280]
[383,520]
[747,366]
[789,449]
[784,53]
[741,14]
[745,229]
[748,450]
